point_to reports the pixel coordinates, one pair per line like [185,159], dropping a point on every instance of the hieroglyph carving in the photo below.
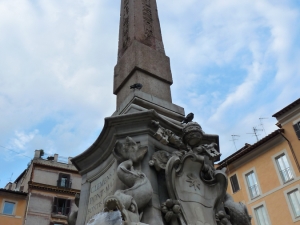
[126,24]
[147,16]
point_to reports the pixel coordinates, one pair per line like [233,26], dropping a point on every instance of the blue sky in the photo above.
[233,62]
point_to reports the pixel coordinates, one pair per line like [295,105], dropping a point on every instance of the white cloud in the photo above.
[232,62]
[21,139]
[52,67]
[257,41]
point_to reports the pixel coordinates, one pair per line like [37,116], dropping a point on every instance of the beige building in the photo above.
[51,185]
[266,175]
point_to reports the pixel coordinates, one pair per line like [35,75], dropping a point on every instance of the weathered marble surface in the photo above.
[132,200]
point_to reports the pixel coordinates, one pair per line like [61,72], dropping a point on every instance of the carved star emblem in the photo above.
[194,181]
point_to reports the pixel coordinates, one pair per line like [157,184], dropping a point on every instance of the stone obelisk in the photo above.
[141,55]
[146,167]
[142,59]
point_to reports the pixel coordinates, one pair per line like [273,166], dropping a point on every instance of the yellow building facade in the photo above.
[265,176]
[12,206]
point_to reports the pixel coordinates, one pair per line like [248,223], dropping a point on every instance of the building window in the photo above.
[8,208]
[261,215]
[64,181]
[284,168]
[297,129]
[252,185]
[61,206]
[234,183]
[294,198]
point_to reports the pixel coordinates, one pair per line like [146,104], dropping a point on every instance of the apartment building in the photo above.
[265,176]
[51,185]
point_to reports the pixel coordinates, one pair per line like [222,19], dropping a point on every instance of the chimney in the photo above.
[55,157]
[37,154]
[8,186]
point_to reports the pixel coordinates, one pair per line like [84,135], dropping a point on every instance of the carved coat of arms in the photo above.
[196,189]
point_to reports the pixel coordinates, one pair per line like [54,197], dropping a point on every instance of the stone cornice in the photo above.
[62,166]
[39,186]
[139,123]
[287,108]
[13,192]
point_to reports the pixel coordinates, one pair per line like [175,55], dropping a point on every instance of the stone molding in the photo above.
[34,185]
[140,123]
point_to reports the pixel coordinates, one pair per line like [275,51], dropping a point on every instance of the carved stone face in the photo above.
[129,150]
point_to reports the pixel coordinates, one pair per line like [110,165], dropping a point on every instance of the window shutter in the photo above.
[55,205]
[69,181]
[297,129]
[234,183]
[68,207]
[59,180]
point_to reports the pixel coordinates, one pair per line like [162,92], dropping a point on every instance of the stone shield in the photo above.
[199,198]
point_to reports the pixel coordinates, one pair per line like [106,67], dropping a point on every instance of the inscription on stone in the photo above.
[102,187]
[126,24]
[147,16]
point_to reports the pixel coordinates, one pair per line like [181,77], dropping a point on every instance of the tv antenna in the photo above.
[262,125]
[234,138]
[255,130]
[10,179]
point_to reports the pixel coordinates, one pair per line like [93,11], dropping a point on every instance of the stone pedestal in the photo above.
[98,165]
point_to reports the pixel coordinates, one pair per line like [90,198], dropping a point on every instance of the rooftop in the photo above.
[55,164]
[13,192]
[287,108]
[247,148]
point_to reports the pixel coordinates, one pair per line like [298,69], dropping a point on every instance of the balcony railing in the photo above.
[64,183]
[60,210]
[254,191]
[286,175]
